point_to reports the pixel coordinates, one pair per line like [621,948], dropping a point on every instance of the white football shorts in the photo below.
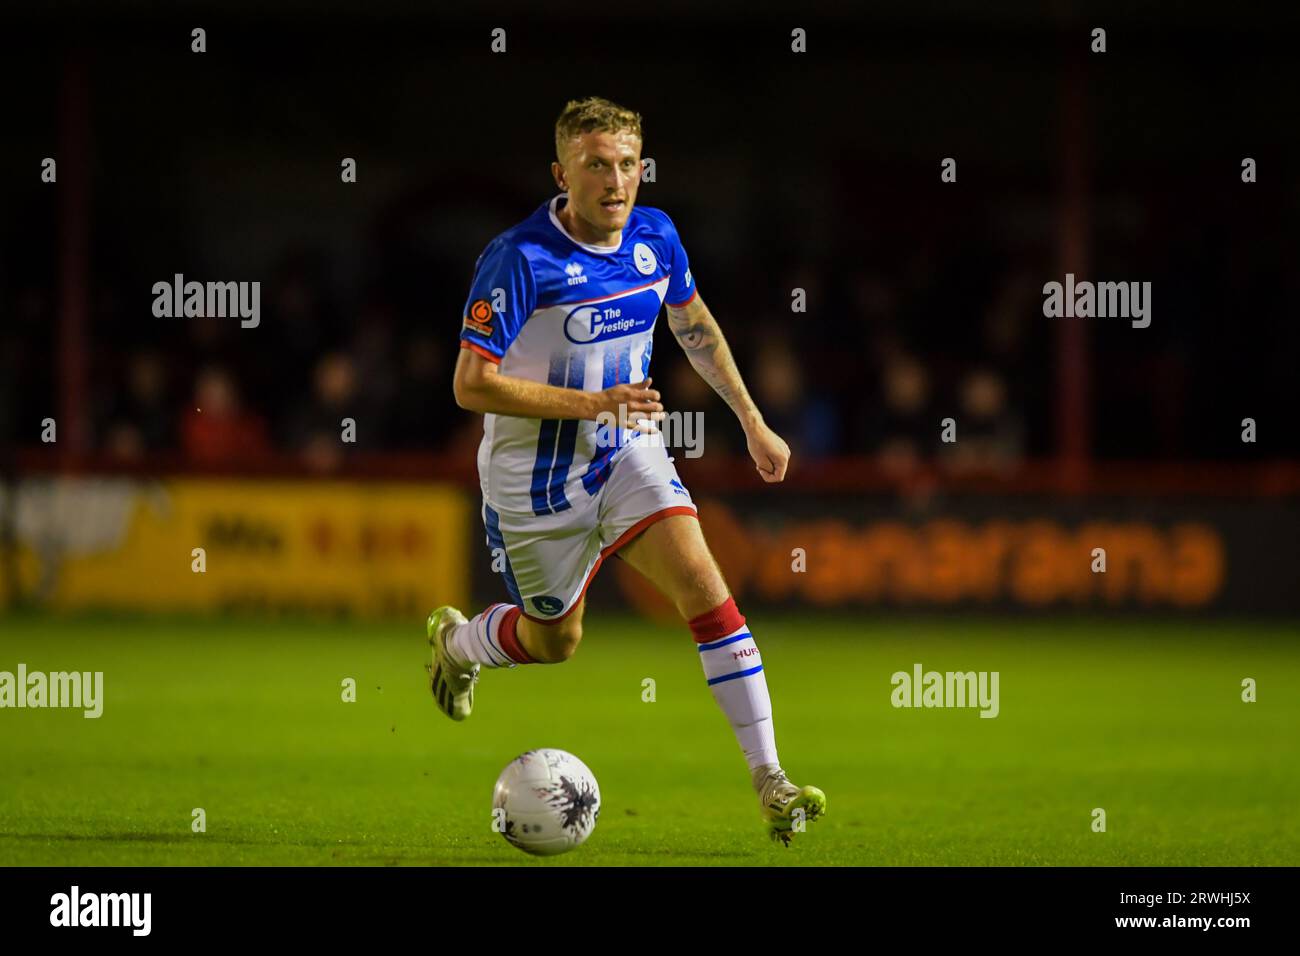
[548,560]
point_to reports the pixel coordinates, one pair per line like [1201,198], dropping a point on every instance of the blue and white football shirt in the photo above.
[549,308]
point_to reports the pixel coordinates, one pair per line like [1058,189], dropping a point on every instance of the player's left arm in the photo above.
[700,337]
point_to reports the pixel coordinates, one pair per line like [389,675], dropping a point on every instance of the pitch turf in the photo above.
[246,721]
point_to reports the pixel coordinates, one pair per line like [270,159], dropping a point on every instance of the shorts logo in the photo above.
[548,605]
[644,258]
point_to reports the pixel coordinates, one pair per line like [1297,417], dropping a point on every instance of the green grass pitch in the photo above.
[246,720]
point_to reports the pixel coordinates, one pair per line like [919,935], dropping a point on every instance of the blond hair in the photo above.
[593,113]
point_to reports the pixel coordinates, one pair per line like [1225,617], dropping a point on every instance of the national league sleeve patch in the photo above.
[480,318]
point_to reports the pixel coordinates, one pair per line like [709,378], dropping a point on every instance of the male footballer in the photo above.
[557,334]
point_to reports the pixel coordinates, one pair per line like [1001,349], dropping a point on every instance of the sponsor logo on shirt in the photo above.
[595,323]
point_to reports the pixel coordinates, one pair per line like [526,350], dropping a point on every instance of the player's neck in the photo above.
[581,230]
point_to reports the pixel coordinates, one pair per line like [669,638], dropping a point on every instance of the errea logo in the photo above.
[574,271]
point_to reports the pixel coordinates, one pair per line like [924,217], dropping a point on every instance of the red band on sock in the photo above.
[509,639]
[722,620]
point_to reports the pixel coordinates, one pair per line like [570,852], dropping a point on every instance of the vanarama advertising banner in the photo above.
[337,548]
[1033,554]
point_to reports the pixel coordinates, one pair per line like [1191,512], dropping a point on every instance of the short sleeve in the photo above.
[501,298]
[681,285]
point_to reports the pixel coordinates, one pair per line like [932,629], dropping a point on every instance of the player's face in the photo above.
[601,172]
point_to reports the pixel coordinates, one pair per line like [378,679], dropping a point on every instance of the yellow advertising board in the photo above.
[341,548]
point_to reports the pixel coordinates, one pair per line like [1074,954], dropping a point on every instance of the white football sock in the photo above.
[734,671]
[477,641]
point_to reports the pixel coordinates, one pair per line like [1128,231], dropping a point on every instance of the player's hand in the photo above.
[636,406]
[770,453]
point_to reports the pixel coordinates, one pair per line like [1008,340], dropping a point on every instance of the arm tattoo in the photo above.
[700,337]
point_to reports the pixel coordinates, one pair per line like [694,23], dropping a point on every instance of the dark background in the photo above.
[818,170]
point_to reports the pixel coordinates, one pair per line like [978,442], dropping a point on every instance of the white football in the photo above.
[546,802]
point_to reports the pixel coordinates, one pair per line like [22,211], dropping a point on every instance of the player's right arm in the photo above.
[480,387]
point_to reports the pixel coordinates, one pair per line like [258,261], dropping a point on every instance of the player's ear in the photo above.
[558,172]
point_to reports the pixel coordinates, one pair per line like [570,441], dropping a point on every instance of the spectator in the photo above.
[904,428]
[806,421]
[142,420]
[217,430]
[317,428]
[420,417]
[990,436]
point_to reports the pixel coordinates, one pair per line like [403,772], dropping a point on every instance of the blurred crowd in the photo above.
[210,391]
[923,298]
[885,355]
[862,372]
